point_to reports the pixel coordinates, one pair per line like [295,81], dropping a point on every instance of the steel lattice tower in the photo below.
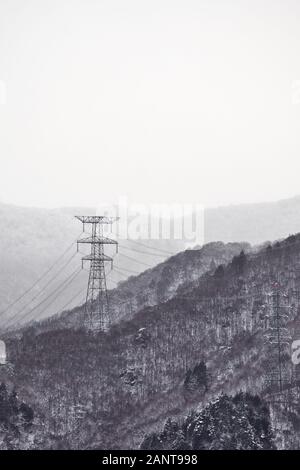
[97,305]
[279,339]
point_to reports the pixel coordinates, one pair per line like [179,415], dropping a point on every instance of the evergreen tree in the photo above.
[241,422]
[239,262]
[4,404]
[197,378]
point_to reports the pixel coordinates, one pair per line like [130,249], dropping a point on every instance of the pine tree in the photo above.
[13,401]
[4,404]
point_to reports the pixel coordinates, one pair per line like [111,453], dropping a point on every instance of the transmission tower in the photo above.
[97,306]
[279,373]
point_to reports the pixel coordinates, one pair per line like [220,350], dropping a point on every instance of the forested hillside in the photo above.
[18,427]
[239,423]
[110,390]
[155,285]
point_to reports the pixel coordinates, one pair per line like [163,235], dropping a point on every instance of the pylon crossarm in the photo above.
[96,219]
[98,240]
[101,257]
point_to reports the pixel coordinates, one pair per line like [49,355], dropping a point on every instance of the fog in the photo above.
[161,101]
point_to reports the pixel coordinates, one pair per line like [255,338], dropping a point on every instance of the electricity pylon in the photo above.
[279,338]
[97,306]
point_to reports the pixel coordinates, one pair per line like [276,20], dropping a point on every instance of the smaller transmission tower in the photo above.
[97,305]
[279,339]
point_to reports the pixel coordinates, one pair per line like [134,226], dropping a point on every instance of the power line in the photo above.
[67,282]
[151,247]
[112,280]
[63,286]
[147,246]
[139,251]
[70,301]
[130,271]
[38,280]
[46,286]
[135,260]
[253,255]
[119,272]
[59,290]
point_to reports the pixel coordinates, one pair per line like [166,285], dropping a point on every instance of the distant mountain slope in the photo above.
[32,239]
[254,223]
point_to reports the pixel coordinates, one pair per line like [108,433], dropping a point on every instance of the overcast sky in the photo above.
[157,100]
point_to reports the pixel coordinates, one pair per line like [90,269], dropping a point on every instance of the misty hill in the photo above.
[254,223]
[32,239]
[146,369]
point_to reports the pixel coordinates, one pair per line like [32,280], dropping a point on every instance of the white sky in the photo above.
[157,100]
